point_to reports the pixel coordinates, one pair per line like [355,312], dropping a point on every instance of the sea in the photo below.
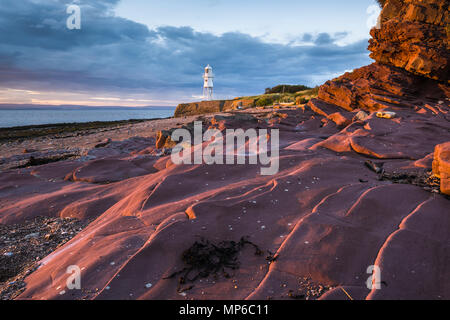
[15,117]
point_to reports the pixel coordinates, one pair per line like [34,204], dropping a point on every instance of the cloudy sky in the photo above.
[152,52]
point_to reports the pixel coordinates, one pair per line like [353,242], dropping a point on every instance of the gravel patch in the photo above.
[22,246]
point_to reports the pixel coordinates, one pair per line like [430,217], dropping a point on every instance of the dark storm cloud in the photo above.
[112,53]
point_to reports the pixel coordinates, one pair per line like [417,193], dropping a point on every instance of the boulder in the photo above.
[441,166]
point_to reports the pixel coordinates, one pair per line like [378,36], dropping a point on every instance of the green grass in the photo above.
[286,88]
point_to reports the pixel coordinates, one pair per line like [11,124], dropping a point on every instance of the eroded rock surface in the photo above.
[414,36]
[325,216]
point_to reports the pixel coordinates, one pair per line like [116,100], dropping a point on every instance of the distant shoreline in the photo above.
[24,118]
[32,131]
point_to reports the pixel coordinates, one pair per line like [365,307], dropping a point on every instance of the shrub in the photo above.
[265,101]
[301,100]
[286,88]
[287,98]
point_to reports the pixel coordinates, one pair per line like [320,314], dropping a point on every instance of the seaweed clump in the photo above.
[205,258]
[32,162]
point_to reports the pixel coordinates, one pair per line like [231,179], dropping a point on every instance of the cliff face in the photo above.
[411,50]
[203,107]
[414,36]
[411,73]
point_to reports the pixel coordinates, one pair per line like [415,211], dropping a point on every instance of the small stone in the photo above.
[48,236]
[386,114]
[361,116]
[32,235]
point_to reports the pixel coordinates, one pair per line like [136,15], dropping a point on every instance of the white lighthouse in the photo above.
[208,84]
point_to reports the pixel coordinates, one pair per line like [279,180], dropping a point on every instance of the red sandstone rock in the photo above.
[318,216]
[324,213]
[340,119]
[378,86]
[414,36]
[205,107]
[441,166]
[410,48]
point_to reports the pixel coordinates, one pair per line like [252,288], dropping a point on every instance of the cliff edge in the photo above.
[410,48]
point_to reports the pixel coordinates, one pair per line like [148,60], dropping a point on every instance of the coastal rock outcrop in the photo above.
[326,215]
[380,86]
[441,166]
[414,36]
[204,107]
[411,50]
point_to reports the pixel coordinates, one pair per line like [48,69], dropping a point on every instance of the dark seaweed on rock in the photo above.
[32,162]
[426,180]
[205,258]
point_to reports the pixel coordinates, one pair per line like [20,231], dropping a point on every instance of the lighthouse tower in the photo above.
[208,84]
